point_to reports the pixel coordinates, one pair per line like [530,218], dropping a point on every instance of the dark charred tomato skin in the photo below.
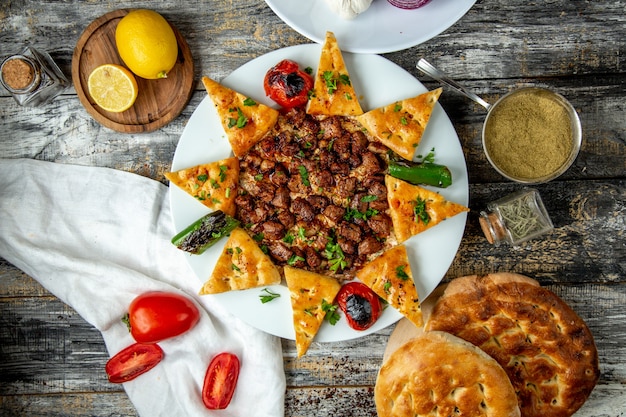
[133,361]
[155,316]
[287,84]
[220,381]
[359,304]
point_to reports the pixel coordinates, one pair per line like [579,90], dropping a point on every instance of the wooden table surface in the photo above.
[51,361]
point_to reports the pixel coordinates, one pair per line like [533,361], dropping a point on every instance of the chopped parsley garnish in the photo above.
[203,177]
[294,259]
[355,214]
[223,169]
[267,296]
[249,102]
[404,121]
[304,174]
[429,158]
[258,177]
[289,238]
[369,198]
[332,316]
[387,287]
[241,121]
[235,268]
[397,107]
[331,80]
[420,211]
[335,256]
[401,273]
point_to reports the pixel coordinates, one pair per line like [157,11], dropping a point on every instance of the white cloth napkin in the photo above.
[96,238]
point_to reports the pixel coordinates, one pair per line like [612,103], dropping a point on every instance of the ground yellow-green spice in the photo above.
[529,135]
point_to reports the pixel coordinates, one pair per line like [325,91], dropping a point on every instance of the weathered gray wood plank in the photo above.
[573,46]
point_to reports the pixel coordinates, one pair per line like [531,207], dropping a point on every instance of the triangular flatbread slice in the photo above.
[310,293]
[213,184]
[244,120]
[389,276]
[241,265]
[400,125]
[414,209]
[333,93]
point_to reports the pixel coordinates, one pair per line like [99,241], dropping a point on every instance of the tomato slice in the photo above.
[287,84]
[133,361]
[360,305]
[220,381]
[155,316]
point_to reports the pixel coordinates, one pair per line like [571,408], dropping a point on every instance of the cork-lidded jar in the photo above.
[516,218]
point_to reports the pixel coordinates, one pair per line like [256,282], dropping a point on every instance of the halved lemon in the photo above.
[112,87]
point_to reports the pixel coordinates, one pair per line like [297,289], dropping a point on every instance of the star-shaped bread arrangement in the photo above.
[313,197]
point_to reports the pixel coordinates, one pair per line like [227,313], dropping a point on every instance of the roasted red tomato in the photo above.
[133,361]
[155,316]
[359,304]
[220,381]
[287,84]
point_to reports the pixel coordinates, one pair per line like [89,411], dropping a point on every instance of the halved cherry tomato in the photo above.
[133,361]
[360,304]
[220,381]
[287,84]
[155,316]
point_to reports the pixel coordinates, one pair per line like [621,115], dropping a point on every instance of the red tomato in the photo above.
[287,84]
[359,304]
[220,381]
[133,361]
[155,316]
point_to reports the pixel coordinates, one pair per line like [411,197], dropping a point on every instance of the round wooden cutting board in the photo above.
[158,102]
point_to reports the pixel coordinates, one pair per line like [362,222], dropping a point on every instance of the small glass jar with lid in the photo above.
[32,77]
[516,218]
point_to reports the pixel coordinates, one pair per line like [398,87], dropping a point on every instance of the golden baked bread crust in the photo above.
[340,101]
[437,374]
[213,184]
[245,122]
[403,199]
[309,291]
[545,348]
[241,265]
[400,125]
[390,276]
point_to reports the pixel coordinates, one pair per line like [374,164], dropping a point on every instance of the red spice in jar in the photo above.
[17,73]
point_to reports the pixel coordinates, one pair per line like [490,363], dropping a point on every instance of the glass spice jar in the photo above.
[516,218]
[32,77]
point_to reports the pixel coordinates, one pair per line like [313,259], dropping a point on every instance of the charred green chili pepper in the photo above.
[204,232]
[426,173]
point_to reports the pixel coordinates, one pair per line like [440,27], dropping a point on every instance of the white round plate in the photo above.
[378,82]
[382,28]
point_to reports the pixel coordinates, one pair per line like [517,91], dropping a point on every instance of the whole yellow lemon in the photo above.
[146,43]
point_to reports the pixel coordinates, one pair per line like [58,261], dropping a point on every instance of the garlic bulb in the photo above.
[349,9]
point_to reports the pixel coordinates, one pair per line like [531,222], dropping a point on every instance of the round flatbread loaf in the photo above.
[543,345]
[437,374]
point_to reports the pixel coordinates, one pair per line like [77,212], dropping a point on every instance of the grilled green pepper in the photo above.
[204,232]
[427,173]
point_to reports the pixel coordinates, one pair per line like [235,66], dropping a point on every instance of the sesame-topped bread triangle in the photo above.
[333,92]
[389,275]
[310,294]
[414,209]
[401,125]
[244,120]
[213,184]
[241,265]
